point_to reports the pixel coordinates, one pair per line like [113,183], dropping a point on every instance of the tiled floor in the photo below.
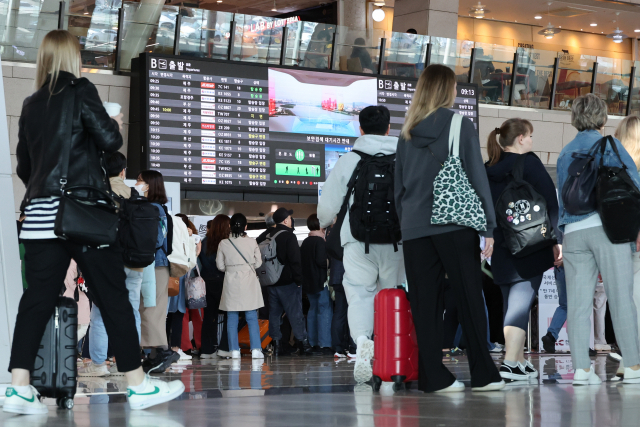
[316,391]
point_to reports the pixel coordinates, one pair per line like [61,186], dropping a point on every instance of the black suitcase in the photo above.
[55,370]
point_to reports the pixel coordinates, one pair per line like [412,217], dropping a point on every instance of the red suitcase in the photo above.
[396,346]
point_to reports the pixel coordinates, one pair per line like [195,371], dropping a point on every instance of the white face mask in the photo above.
[140,188]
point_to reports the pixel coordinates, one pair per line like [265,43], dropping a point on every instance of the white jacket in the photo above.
[335,188]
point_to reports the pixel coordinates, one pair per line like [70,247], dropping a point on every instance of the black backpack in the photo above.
[618,199]
[522,215]
[373,217]
[138,230]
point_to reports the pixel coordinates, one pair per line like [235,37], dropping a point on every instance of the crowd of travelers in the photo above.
[423,211]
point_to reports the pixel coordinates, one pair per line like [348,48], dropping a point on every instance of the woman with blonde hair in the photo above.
[430,250]
[628,132]
[62,99]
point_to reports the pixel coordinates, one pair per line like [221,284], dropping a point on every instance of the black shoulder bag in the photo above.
[618,199]
[578,193]
[86,215]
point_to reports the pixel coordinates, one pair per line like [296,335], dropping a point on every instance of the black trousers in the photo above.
[46,264]
[427,259]
[174,328]
[210,320]
[340,336]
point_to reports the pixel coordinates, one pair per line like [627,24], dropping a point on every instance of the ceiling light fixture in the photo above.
[593,24]
[550,30]
[537,17]
[618,36]
[478,11]
[379,3]
[378,15]
[275,9]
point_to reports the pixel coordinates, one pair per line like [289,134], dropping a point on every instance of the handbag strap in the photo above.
[70,95]
[603,145]
[351,185]
[454,135]
[245,260]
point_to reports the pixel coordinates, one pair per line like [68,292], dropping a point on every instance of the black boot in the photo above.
[277,348]
[549,343]
[307,350]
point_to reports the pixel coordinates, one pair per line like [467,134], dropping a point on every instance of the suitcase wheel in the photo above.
[64,403]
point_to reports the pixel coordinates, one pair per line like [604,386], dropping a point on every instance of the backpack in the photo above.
[138,230]
[179,258]
[522,215]
[618,199]
[271,269]
[373,217]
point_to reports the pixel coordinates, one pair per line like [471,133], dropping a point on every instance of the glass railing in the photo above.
[405,55]
[25,24]
[257,39]
[108,43]
[97,31]
[575,73]
[634,96]
[534,78]
[455,54]
[357,51]
[492,72]
[146,28]
[205,33]
[309,45]
[612,84]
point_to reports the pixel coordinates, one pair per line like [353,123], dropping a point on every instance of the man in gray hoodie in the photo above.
[365,273]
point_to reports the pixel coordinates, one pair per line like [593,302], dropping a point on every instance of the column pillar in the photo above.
[437,18]
[352,14]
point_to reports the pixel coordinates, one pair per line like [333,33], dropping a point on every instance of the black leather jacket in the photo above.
[42,133]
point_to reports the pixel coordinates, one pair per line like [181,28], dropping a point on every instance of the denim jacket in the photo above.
[161,257]
[582,144]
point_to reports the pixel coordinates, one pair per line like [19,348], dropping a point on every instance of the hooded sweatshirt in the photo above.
[417,167]
[336,186]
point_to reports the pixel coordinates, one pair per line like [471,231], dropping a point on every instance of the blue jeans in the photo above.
[254,330]
[560,316]
[319,319]
[490,345]
[98,339]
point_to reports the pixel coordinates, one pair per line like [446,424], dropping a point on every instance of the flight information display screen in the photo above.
[227,126]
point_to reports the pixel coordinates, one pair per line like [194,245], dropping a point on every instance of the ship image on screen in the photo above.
[310,102]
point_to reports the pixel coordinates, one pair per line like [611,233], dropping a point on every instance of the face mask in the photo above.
[140,188]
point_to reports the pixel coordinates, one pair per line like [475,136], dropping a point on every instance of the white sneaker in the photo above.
[26,403]
[257,353]
[603,347]
[457,386]
[155,393]
[223,354]
[207,356]
[582,377]
[351,355]
[114,372]
[363,372]
[631,376]
[490,387]
[615,357]
[183,355]
[235,354]
[340,355]
[93,370]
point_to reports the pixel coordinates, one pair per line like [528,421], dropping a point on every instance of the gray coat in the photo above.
[241,289]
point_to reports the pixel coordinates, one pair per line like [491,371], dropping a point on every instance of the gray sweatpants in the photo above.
[585,253]
[364,276]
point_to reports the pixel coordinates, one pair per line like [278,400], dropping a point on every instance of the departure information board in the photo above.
[228,126]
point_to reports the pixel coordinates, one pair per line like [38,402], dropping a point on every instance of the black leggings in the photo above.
[517,299]
[46,264]
[210,319]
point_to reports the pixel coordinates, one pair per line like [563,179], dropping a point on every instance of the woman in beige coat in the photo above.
[239,256]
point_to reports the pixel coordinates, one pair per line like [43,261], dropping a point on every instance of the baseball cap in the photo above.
[281,214]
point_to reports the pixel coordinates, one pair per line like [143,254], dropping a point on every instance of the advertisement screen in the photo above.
[227,126]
